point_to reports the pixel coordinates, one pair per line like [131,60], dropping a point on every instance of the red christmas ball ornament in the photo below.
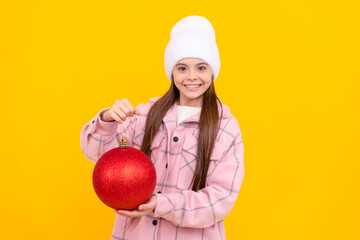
[124,177]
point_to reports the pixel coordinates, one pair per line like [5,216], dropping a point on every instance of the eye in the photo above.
[202,68]
[181,68]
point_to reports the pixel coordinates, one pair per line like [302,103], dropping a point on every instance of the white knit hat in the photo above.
[192,36]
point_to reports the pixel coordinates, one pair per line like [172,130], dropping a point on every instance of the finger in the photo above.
[114,116]
[137,112]
[132,214]
[149,205]
[123,213]
[125,109]
[119,111]
[145,206]
[129,105]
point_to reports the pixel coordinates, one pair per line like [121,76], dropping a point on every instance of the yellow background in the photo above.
[289,73]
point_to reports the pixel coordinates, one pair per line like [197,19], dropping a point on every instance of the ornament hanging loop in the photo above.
[123,142]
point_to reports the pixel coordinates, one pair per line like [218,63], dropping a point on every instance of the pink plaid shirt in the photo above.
[180,212]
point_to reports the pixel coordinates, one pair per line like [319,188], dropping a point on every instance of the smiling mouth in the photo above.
[192,85]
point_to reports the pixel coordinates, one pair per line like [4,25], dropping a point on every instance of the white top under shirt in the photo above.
[183,112]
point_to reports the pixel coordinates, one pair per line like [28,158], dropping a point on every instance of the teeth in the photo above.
[192,86]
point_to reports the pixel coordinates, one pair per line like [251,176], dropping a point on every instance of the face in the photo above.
[192,76]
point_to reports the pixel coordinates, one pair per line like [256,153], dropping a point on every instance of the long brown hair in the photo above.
[208,128]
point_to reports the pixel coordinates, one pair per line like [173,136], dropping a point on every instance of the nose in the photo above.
[192,75]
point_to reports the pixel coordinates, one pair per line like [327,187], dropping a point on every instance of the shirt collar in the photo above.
[171,115]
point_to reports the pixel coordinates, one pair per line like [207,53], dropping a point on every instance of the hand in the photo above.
[142,210]
[121,110]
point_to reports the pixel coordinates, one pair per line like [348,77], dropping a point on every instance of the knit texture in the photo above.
[192,36]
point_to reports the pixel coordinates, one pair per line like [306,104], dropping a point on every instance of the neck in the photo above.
[190,102]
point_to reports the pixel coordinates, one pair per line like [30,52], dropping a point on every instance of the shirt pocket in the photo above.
[187,167]
[217,154]
[157,144]
[188,161]
[158,147]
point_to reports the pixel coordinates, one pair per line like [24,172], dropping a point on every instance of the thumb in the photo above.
[137,112]
[143,207]
[149,204]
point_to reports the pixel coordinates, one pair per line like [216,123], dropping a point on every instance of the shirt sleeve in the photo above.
[214,202]
[98,136]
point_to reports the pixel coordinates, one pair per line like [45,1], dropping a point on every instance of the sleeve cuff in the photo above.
[164,208]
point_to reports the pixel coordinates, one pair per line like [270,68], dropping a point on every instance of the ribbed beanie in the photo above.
[192,36]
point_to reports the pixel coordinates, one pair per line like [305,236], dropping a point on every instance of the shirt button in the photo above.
[176,139]
[166,166]
[154,222]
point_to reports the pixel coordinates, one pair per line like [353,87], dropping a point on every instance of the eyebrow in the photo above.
[195,65]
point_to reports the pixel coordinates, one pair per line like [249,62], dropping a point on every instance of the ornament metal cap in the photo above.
[123,143]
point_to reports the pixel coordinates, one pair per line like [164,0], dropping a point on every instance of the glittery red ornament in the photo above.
[124,177]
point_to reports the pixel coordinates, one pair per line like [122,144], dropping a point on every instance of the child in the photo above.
[192,139]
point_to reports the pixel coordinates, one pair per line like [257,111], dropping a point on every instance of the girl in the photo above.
[192,139]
